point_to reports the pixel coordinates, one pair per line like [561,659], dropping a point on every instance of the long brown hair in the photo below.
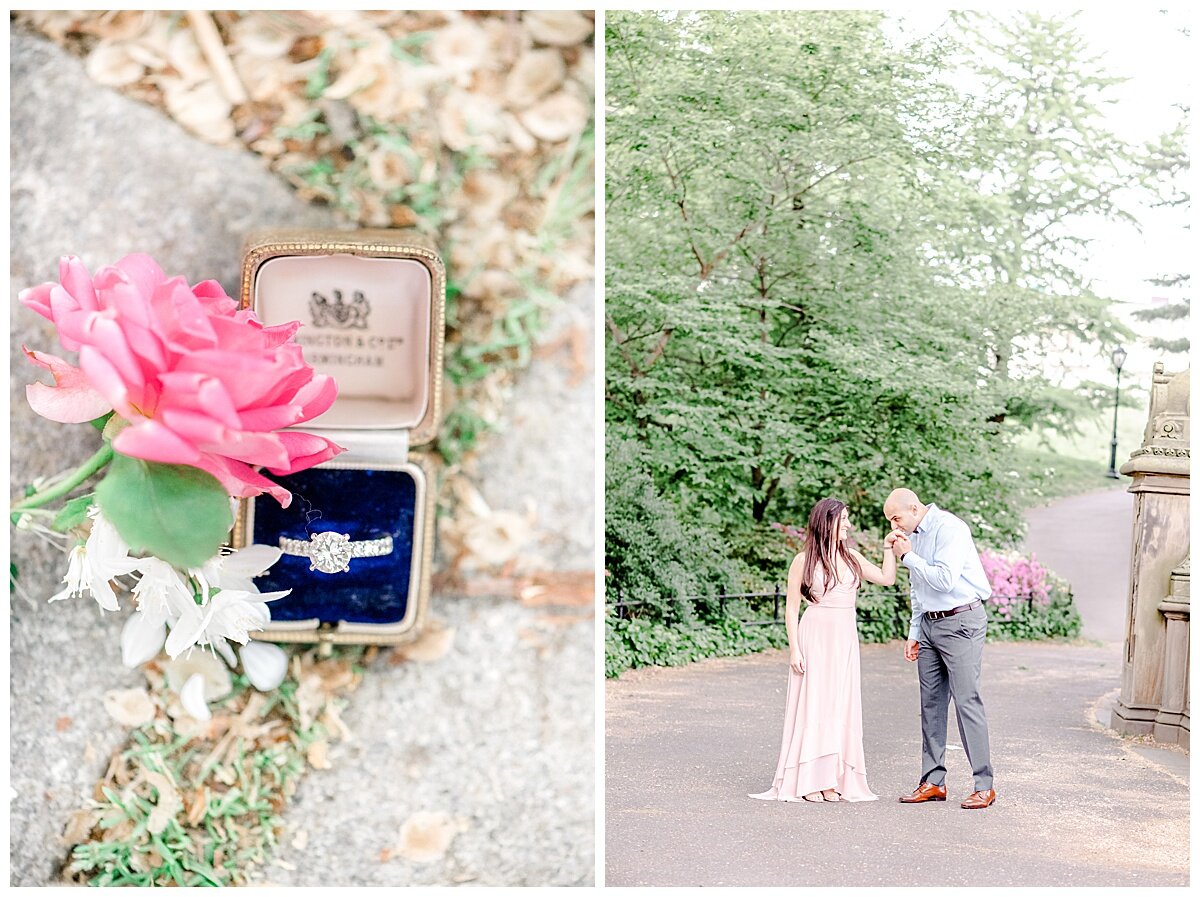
[822,545]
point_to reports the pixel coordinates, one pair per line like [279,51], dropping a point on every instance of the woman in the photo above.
[821,758]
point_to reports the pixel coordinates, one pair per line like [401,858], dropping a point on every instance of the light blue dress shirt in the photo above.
[944,570]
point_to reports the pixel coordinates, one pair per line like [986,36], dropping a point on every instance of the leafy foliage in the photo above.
[653,553]
[180,514]
[630,644]
[883,616]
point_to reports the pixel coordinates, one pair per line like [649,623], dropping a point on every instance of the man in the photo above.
[945,638]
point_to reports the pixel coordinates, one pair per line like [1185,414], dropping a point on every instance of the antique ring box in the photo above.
[357,538]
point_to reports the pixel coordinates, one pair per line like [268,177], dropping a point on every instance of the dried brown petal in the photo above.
[118,25]
[425,836]
[129,706]
[536,74]
[80,825]
[112,65]
[167,804]
[468,120]
[459,48]
[556,118]
[388,170]
[196,806]
[558,28]
[262,37]
[434,644]
[486,193]
[202,109]
[318,755]
[584,70]
[307,47]
[55,25]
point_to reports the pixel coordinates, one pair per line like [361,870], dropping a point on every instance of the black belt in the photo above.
[939,614]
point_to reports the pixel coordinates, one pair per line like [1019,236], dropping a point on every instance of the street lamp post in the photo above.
[1118,358]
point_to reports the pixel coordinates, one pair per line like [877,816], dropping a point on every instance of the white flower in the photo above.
[163,596]
[265,664]
[92,565]
[237,569]
[141,639]
[217,682]
[226,614]
[162,593]
[191,696]
[197,678]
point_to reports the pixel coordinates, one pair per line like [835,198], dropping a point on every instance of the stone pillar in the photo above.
[1161,533]
[1174,721]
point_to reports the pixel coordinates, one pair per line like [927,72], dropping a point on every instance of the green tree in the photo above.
[1047,157]
[807,275]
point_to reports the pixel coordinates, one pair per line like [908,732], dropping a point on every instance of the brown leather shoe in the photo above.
[923,793]
[980,800]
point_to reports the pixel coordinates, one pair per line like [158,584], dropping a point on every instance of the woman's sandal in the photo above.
[819,799]
[833,800]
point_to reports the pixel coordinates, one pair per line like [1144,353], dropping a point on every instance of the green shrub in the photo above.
[630,644]
[878,620]
[1057,618]
[656,552]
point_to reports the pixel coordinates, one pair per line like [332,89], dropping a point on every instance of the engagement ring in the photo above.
[331,552]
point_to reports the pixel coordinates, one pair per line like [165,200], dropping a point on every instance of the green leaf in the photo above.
[180,514]
[100,422]
[73,513]
[318,81]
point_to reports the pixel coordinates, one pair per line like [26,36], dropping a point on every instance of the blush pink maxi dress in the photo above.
[822,727]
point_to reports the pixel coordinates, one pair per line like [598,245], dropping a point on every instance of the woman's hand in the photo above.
[797,662]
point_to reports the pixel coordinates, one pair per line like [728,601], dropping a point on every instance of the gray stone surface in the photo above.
[98,176]
[545,449]
[1076,804]
[498,734]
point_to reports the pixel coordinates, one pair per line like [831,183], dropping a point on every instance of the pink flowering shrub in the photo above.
[1015,580]
[196,380]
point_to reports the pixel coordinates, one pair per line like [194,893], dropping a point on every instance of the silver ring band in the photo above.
[331,552]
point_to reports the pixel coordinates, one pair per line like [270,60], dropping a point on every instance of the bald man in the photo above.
[945,638]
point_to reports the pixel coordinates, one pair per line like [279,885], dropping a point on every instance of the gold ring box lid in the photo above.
[372,308]
[354,292]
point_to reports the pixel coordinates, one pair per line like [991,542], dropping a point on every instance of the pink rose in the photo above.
[199,381]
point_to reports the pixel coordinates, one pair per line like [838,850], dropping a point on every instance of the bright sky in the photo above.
[1146,46]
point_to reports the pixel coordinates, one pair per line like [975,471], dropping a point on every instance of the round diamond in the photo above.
[330,552]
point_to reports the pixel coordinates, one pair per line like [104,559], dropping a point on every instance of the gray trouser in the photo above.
[948,665]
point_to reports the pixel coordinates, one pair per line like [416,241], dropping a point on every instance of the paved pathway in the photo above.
[1077,805]
[1086,539]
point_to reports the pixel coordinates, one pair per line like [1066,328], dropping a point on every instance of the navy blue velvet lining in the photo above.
[364,504]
